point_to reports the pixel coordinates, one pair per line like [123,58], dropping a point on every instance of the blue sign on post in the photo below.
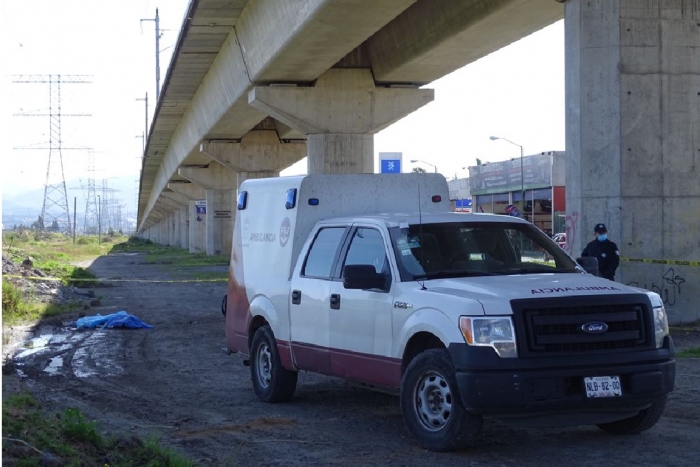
[390,166]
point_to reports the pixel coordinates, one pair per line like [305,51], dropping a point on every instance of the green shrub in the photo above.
[76,428]
[87,240]
[11,299]
[81,277]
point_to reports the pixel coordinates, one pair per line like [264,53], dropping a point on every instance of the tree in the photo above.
[418,170]
[38,224]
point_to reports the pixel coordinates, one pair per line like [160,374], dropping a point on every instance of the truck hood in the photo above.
[495,292]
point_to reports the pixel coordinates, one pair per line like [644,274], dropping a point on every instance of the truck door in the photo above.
[361,320]
[308,308]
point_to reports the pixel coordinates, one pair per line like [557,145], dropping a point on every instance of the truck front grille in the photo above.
[559,330]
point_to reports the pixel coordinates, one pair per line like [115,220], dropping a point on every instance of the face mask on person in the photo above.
[602,237]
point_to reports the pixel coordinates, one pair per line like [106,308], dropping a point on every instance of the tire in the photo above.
[431,406]
[644,420]
[271,381]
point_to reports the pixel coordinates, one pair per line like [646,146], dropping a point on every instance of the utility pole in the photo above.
[145,132]
[143,143]
[157,21]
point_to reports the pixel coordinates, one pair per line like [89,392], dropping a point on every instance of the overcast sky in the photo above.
[516,93]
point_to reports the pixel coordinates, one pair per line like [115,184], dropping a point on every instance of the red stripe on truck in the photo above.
[355,366]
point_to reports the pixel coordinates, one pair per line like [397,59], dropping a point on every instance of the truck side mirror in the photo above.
[589,264]
[362,276]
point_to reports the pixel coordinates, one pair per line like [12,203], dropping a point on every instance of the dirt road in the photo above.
[177,382]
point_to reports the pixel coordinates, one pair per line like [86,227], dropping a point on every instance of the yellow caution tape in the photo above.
[96,279]
[676,262]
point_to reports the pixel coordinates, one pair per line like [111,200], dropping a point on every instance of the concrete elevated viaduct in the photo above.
[256,85]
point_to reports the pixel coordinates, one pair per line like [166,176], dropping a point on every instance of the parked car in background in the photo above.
[559,239]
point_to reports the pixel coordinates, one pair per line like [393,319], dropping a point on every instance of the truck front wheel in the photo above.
[430,403]
[271,381]
[640,422]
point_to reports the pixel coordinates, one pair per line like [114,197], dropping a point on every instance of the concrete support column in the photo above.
[220,185]
[196,236]
[181,215]
[220,215]
[340,153]
[174,226]
[633,140]
[340,116]
[183,225]
[197,229]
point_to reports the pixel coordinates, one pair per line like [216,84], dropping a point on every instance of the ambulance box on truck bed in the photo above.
[371,279]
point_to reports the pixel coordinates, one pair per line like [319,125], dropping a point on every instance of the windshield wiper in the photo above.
[448,273]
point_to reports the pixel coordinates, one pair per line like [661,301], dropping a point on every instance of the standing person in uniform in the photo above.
[606,251]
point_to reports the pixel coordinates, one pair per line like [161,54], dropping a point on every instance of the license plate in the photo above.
[603,386]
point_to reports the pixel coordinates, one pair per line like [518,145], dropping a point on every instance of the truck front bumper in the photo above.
[491,386]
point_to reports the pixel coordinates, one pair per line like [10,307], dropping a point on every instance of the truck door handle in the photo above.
[335,301]
[296,297]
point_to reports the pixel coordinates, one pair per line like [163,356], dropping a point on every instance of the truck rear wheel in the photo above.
[271,381]
[431,406]
[640,422]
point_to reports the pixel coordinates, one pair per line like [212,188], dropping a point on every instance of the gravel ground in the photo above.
[177,382]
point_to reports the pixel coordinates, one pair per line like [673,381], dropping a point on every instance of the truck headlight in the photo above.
[497,332]
[660,325]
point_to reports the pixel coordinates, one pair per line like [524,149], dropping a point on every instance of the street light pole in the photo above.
[522,168]
[413,161]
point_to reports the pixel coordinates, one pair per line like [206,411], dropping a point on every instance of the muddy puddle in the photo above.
[69,352]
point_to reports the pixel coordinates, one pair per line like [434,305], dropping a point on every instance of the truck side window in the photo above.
[322,253]
[367,247]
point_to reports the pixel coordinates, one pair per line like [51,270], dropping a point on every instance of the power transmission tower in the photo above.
[90,226]
[54,211]
[109,210]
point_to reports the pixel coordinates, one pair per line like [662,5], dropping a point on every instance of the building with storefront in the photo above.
[498,187]
[460,195]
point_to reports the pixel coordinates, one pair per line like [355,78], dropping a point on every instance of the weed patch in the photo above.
[18,309]
[689,353]
[30,436]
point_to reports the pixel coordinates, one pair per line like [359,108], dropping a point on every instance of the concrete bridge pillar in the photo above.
[633,140]
[160,212]
[196,236]
[339,115]
[198,226]
[184,227]
[220,185]
[169,233]
[181,216]
[174,226]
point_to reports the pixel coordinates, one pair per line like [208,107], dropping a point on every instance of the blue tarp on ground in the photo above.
[120,319]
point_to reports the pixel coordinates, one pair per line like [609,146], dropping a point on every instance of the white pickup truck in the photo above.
[370,278]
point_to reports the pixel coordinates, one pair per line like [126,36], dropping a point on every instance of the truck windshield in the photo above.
[463,249]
